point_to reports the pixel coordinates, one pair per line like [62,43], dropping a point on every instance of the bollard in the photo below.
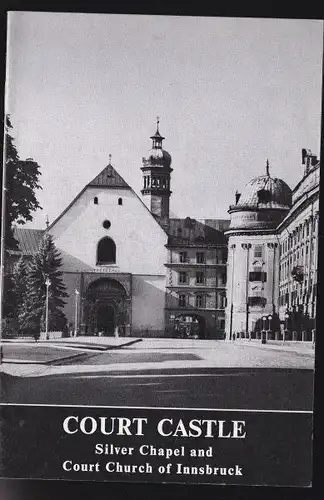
[284,335]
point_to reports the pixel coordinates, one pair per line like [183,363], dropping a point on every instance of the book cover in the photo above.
[159,248]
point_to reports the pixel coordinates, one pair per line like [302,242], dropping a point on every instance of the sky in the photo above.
[230,93]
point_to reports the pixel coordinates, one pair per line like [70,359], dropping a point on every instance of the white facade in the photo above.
[139,258]
[252,283]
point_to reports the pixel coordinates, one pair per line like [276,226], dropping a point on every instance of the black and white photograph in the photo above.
[159,246]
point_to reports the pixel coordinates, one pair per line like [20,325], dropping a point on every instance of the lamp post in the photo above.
[264,319]
[286,325]
[263,332]
[48,284]
[77,293]
[269,318]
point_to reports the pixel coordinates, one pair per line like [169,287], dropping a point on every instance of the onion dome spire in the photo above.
[267,168]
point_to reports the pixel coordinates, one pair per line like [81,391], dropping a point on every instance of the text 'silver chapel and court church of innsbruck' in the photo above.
[138,272]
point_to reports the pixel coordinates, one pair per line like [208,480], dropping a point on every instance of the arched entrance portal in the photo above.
[106,308]
[190,326]
[106,319]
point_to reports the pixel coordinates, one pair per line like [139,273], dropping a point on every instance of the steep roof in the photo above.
[28,240]
[109,177]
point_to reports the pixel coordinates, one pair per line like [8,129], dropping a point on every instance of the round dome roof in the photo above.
[265,192]
[158,156]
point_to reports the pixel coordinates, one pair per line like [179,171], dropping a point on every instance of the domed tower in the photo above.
[156,177]
[253,255]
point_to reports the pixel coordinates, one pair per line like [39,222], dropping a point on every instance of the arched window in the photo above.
[120,201]
[106,252]
[95,200]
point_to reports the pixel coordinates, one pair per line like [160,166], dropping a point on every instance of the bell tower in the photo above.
[156,177]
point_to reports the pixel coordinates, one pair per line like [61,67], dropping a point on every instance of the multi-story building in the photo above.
[298,244]
[272,260]
[196,277]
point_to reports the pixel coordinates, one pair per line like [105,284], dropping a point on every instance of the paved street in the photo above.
[163,372]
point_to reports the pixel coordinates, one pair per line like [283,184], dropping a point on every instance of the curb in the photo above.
[42,363]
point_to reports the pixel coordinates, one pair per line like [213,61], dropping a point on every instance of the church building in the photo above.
[129,268]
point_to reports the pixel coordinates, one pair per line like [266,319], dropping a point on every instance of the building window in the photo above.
[183,256]
[200,257]
[182,301]
[106,224]
[258,251]
[183,277]
[200,301]
[258,276]
[95,200]
[264,196]
[200,277]
[106,251]
[257,301]
[120,201]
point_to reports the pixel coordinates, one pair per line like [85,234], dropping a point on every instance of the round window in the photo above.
[106,224]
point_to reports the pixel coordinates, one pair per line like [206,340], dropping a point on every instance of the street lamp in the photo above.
[264,319]
[48,284]
[286,320]
[286,325]
[77,293]
[270,318]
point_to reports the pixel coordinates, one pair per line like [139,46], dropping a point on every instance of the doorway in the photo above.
[106,320]
[190,326]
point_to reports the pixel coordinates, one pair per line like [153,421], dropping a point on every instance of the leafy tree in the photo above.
[45,264]
[21,182]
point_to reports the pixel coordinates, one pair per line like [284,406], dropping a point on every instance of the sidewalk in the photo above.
[288,346]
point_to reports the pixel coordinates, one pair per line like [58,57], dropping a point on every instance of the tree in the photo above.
[21,182]
[45,264]
[19,287]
